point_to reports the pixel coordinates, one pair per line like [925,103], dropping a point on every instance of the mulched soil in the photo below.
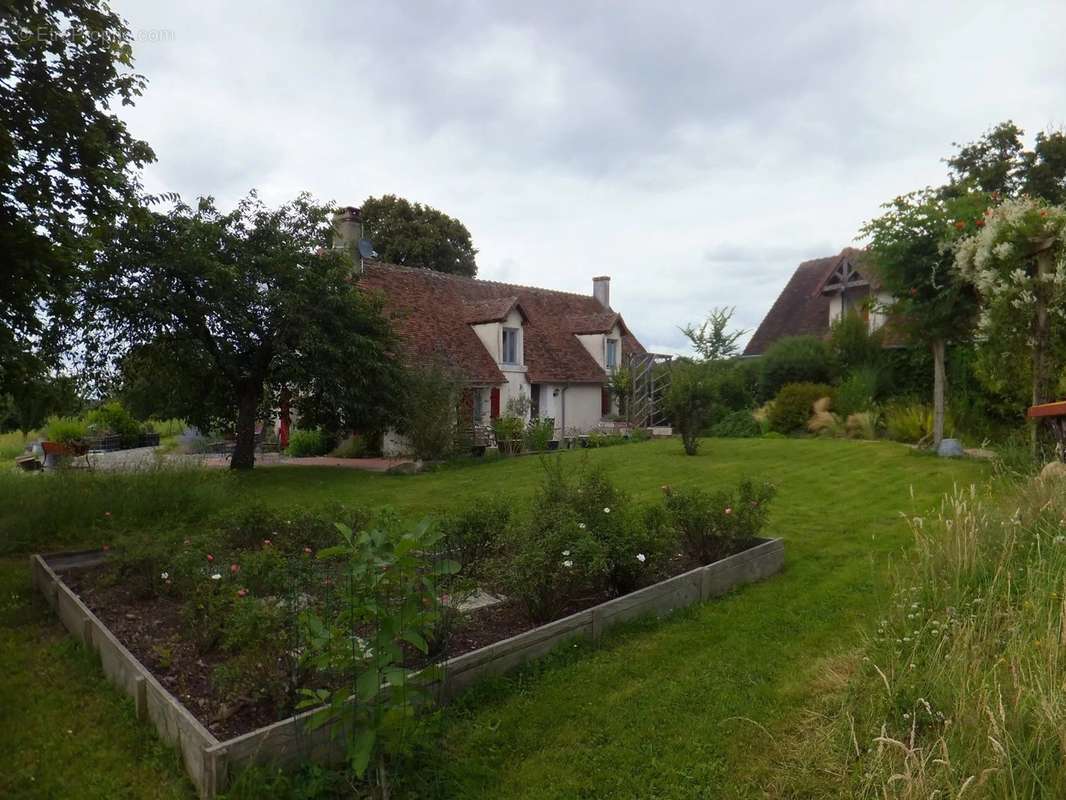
[151,629]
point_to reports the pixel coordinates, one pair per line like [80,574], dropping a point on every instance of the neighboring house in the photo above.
[557,349]
[816,295]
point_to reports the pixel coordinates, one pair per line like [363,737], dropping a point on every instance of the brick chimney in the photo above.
[601,290]
[347,232]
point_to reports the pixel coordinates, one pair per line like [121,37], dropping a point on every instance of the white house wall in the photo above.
[877,315]
[593,342]
[491,335]
[582,407]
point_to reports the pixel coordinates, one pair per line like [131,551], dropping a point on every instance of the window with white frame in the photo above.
[510,346]
[612,353]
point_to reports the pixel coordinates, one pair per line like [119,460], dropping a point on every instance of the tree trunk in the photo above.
[1044,267]
[938,392]
[248,394]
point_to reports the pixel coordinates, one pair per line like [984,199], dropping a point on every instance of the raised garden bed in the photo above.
[215,745]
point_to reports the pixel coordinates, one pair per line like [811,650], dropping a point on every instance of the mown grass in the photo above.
[64,731]
[684,708]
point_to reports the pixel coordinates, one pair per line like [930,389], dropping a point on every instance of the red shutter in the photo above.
[605,402]
[494,402]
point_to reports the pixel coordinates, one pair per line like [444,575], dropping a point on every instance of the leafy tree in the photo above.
[910,247]
[712,340]
[417,235]
[689,401]
[240,303]
[67,162]
[431,394]
[999,163]
[39,398]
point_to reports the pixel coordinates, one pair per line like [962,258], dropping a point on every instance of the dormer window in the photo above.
[612,353]
[510,346]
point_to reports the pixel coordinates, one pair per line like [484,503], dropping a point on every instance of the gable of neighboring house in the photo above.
[817,294]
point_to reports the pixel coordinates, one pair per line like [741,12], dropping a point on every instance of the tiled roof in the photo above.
[432,313]
[801,308]
[603,322]
[496,310]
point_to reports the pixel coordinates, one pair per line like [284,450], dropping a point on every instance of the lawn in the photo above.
[684,708]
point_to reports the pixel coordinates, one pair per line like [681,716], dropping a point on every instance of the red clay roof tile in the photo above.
[432,313]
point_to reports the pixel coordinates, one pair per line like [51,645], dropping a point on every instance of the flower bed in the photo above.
[240,629]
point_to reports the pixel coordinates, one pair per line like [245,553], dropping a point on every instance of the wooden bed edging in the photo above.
[210,762]
[151,700]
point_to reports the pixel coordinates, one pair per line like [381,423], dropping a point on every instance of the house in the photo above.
[553,350]
[817,294]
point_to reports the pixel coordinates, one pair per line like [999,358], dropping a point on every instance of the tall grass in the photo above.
[46,510]
[12,444]
[961,691]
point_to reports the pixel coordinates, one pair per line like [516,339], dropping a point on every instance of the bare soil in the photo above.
[152,629]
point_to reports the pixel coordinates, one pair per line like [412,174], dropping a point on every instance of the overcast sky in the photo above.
[696,152]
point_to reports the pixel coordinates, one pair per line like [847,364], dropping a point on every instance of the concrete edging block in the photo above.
[210,762]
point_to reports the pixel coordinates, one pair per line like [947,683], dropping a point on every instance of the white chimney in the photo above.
[601,290]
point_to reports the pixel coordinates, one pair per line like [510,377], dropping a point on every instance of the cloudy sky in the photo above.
[694,151]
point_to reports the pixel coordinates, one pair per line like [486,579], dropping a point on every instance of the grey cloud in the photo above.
[695,151]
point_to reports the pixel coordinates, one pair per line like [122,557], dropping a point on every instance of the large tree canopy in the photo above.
[67,162]
[999,163]
[417,235]
[233,307]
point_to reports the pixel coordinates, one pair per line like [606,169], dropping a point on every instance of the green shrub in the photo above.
[601,439]
[539,432]
[857,392]
[308,443]
[355,446]
[113,417]
[637,542]
[852,345]
[794,359]
[387,603]
[793,406]
[64,429]
[689,402]
[712,524]
[167,427]
[581,534]
[508,432]
[737,425]
[473,536]
[432,396]
[550,559]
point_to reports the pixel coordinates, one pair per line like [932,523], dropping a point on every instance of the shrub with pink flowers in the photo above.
[714,524]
